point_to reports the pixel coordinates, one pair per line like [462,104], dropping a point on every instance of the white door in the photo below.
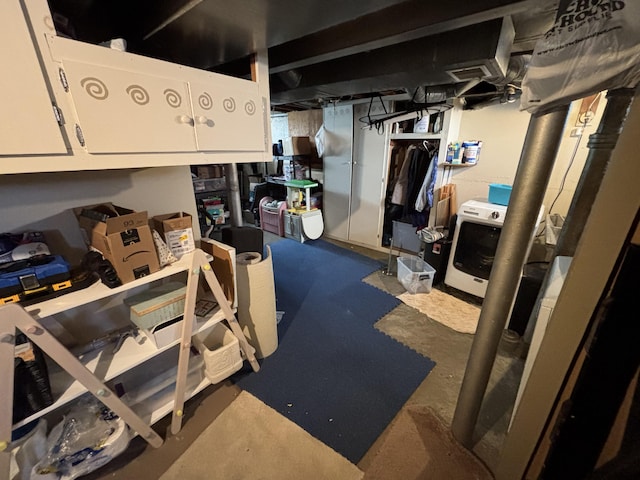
[230,118]
[367,184]
[338,158]
[121,111]
[29,125]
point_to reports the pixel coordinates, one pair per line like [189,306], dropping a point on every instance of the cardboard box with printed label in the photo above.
[122,236]
[176,229]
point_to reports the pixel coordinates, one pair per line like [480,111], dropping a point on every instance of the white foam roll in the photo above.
[248,258]
[257,302]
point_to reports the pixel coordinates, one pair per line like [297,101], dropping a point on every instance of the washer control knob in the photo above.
[495,215]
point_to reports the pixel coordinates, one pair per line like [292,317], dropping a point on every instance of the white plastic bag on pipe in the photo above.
[593,46]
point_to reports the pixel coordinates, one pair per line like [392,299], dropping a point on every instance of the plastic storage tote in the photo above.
[415,275]
[499,193]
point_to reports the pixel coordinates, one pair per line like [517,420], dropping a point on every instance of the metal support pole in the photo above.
[601,145]
[233,189]
[534,169]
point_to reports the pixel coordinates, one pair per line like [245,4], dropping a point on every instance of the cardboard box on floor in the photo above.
[176,229]
[122,236]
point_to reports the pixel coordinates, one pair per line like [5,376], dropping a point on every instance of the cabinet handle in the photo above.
[201,120]
[185,119]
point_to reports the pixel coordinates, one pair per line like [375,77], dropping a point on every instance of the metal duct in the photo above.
[473,53]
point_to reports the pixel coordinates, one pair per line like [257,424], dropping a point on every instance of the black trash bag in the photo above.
[31,387]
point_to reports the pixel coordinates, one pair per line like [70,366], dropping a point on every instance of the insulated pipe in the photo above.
[233,190]
[534,169]
[601,144]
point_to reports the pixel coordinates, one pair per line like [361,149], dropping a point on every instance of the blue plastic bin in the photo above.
[499,193]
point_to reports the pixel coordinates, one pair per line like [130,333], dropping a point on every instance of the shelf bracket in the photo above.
[12,317]
[200,264]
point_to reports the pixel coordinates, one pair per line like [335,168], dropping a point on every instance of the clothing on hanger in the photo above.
[420,161]
[425,195]
[399,190]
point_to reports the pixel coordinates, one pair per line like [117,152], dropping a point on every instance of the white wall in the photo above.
[502,128]
[279,126]
[43,201]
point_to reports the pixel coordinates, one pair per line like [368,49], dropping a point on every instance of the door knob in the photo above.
[185,119]
[202,120]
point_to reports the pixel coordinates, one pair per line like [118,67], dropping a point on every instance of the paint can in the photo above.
[471,151]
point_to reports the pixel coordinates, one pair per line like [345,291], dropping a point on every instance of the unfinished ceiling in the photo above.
[331,49]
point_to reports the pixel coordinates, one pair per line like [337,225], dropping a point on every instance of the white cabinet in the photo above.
[124,111]
[354,175]
[228,117]
[28,125]
[127,103]
[117,109]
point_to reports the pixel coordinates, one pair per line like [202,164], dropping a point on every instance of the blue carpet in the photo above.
[333,373]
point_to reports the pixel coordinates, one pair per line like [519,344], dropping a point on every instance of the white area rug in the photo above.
[250,440]
[446,309]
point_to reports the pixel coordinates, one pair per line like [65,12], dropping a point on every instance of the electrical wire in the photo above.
[562,182]
[566,173]
[571,160]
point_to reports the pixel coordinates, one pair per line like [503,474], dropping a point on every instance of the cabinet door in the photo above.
[228,117]
[367,186]
[122,111]
[29,125]
[338,159]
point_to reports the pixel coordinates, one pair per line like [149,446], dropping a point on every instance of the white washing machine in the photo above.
[474,245]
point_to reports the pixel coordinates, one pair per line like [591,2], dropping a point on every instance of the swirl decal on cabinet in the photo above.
[250,107]
[95,88]
[173,98]
[138,94]
[205,101]
[229,104]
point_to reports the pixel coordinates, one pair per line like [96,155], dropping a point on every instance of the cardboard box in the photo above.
[296,146]
[177,231]
[224,266]
[123,236]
